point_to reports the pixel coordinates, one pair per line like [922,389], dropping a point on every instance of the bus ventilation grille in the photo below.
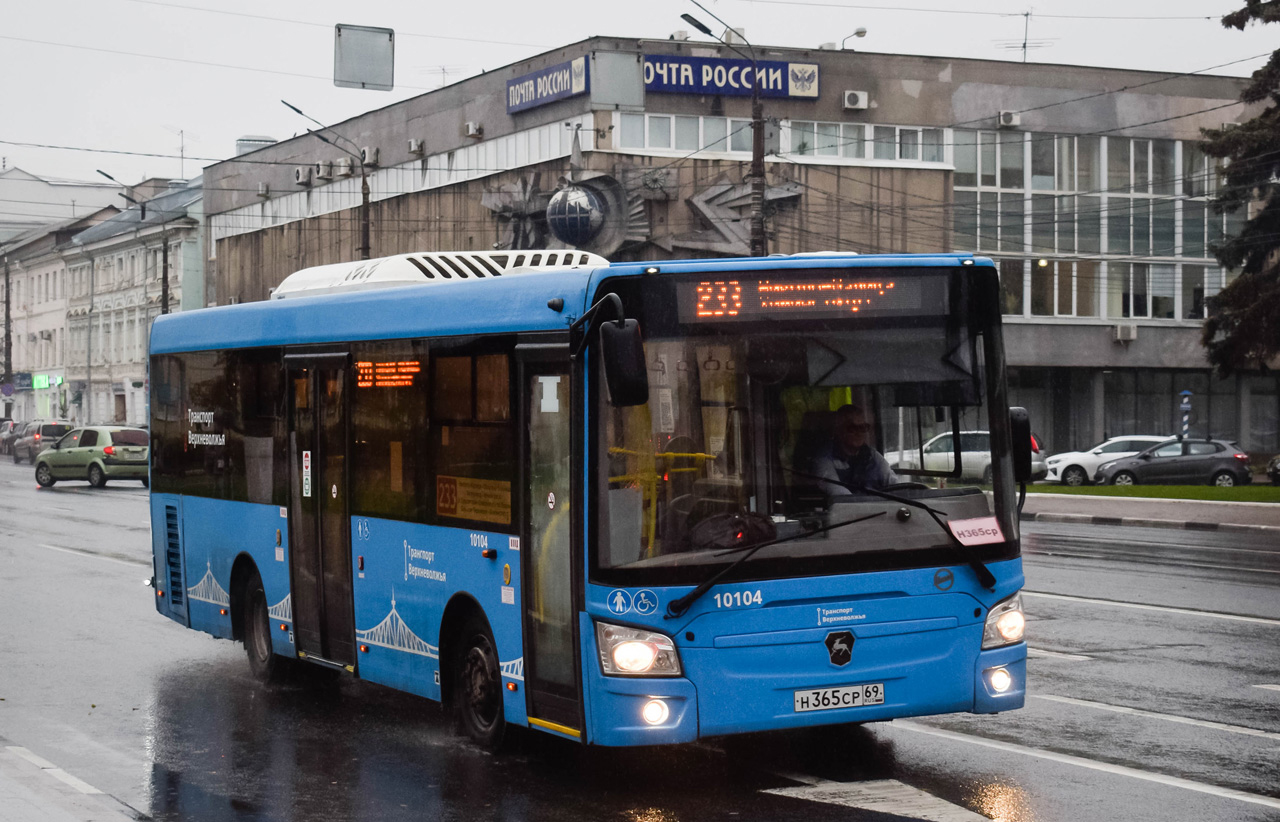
[173,557]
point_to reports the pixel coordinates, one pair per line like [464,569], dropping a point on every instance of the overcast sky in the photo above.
[150,77]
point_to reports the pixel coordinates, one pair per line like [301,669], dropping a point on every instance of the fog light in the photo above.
[655,712]
[1001,680]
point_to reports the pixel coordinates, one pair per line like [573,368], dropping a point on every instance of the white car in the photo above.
[975,456]
[1078,467]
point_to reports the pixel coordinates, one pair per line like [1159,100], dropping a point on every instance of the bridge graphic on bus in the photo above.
[208,590]
[282,610]
[393,633]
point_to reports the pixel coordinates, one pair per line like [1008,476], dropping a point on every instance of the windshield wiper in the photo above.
[985,577]
[677,607]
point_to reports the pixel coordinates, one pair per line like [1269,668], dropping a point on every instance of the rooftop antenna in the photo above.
[182,147]
[1026,42]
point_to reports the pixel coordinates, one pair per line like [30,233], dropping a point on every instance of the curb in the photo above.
[1087,519]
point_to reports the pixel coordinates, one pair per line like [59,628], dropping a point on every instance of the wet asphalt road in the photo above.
[1148,650]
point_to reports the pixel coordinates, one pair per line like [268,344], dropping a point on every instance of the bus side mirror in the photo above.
[625,369]
[1020,431]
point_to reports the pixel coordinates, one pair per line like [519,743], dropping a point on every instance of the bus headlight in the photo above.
[635,652]
[1005,623]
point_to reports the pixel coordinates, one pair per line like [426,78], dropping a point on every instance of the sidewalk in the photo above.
[34,790]
[1249,517]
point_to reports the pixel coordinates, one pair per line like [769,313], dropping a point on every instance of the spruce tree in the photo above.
[1242,323]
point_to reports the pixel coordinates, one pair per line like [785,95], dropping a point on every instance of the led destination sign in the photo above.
[395,374]
[808,298]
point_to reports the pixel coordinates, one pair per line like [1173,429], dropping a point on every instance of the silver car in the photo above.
[1078,467]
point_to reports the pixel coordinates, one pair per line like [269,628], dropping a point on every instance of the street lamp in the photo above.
[759,243]
[164,243]
[861,32]
[359,161]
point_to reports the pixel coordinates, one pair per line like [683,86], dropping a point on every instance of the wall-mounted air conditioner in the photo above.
[474,129]
[856,100]
[1009,119]
[1126,332]
[302,175]
[324,170]
[416,147]
[264,189]
[342,167]
[369,155]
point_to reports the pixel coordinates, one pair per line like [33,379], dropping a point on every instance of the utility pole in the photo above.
[358,160]
[759,242]
[164,271]
[8,335]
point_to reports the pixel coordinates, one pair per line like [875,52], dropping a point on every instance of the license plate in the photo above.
[851,696]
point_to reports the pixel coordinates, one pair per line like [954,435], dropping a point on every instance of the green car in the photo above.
[97,454]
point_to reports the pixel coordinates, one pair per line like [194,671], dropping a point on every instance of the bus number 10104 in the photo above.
[738,599]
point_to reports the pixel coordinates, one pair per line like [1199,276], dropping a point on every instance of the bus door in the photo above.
[319,523]
[552,676]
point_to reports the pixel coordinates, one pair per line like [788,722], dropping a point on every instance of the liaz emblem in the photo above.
[840,647]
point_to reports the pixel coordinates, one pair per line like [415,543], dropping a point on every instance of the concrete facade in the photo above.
[1085,184]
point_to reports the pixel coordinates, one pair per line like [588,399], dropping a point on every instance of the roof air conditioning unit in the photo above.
[679,34]
[264,189]
[1009,119]
[474,129]
[46,334]
[416,147]
[31,337]
[342,167]
[1126,332]
[302,175]
[369,156]
[324,170]
[855,100]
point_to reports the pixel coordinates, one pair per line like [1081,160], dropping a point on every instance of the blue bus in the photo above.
[624,504]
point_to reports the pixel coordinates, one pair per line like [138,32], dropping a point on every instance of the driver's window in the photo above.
[1173,449]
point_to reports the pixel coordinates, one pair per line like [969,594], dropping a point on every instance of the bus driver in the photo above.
[850,462]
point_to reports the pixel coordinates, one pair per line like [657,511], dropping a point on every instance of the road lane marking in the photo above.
[1162,608]
[80,552]
[1040,652]
[1184,720]
[884,796]
[1269,687]
[53,770]
[1091,764]
[38,761]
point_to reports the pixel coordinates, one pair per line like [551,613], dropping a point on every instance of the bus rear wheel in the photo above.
[477,688]
[265,665]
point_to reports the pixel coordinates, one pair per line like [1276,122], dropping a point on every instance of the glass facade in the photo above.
[1138,209]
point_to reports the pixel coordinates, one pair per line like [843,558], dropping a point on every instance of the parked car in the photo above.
[36,436]
[9,430]
[1078,467]
[97,454]
[975,456]
[1180,462]
[1273,470]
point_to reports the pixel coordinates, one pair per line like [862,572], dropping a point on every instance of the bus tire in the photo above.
[265,665]
[477,691]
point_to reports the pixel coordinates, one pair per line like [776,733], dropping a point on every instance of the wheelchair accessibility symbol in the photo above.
[645,602]
[619,602]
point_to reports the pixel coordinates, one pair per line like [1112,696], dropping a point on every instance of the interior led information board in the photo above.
[875,293]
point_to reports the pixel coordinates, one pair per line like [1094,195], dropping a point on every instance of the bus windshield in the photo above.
[764,430]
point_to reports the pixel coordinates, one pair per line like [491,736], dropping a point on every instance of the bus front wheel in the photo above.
[477,688]
[265,665]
